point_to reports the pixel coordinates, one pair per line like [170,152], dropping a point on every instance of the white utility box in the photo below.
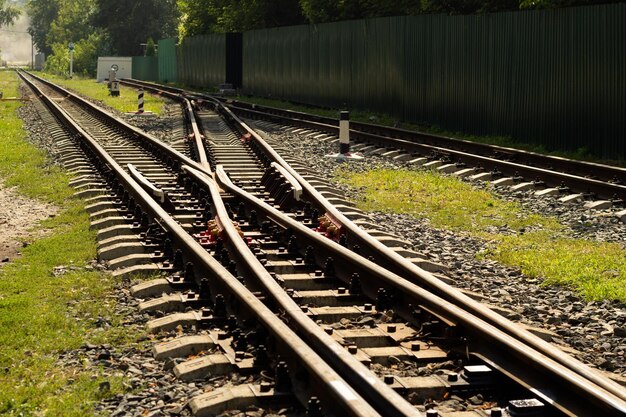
[124,67]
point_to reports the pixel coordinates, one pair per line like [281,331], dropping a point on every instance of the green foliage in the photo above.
[86,53]
[320,11]
[150,48]
[129,23]
[56,23]
[555,4]
[196,17]
[97,27]
[42,13]
[73,22]
[8,13]
[59,61]
[60,22]
[468,6]
[205,16]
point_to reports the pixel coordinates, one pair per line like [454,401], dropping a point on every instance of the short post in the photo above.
[344,140]
[71,48]
[344,132]
[140,102]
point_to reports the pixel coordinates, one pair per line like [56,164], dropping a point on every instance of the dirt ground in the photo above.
[18,216]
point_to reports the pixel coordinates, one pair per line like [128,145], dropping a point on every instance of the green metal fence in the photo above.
[209,60]
[146,68]
[202,60]
[553,77]
[167,60]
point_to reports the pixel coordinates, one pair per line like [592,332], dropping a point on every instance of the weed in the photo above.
[537,244]
[42,314]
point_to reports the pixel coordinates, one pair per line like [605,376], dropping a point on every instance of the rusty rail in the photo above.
[338,392]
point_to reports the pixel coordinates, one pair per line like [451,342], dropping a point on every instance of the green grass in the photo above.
[420,193]
[388,120]
[537,244]
[126,102]
[596,270]
[43,315]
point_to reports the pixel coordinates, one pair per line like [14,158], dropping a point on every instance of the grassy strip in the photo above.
[387,120]
[126,102]
[539,245]
[43,315]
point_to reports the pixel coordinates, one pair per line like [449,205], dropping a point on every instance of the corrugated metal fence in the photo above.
[146,68]
[210,60]
[553,77]
[202,60]
[167,60]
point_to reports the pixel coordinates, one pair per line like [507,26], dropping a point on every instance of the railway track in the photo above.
[599,186]
[285,288]
[507,166]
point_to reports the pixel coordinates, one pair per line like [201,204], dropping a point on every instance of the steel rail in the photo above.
[177,95]
[198,138]
[385,399]
[335,387]
[401,265]
[162,88]
[566,389]
[438,143]
[609,190]
[132,130]
[580,176]
[416,274]
[582,168]
[446,291]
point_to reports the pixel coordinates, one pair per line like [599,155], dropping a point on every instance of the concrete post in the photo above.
[344,132]
[140,102]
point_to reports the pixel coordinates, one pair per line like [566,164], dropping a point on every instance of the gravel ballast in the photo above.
[595,332]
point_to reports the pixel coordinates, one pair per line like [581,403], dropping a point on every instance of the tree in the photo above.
[59,60]
[554,4]
[130,23]
[196,17]
[8,13]
[206,16]
[60,21]
[469,6]
[42,13]
[73,22]
[320,11]
[242,15]
[150,48]
[88,50]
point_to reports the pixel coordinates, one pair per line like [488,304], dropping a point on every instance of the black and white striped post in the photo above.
[344,132]
[344,141]
[140,102]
